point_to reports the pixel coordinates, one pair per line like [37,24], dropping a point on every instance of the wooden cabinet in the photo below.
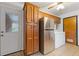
[28,39]
[31,29]
[55,18]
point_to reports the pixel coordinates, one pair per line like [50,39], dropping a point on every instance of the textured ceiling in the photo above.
[69,6]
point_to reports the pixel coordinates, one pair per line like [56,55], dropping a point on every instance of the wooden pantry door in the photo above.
[70,29]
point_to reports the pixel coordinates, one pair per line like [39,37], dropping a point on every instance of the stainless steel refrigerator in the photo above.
[46,35]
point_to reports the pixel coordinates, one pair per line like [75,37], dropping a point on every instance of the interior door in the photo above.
[70,29]
[9,32]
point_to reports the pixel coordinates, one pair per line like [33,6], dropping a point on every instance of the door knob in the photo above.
[2,35]
[2,31]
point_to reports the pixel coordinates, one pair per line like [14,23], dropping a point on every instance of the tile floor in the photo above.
[65,50]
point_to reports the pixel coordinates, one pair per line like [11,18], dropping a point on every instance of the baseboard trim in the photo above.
[30,54]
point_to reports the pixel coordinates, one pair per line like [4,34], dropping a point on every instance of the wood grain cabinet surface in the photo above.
[31,29]
[36,14]
[29,13]
[36,38]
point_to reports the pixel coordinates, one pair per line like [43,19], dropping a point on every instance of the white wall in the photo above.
[73,13]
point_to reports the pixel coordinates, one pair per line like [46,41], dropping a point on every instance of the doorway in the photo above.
[10,30]
[70,27]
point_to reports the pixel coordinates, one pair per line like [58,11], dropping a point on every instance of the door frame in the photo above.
[76,27]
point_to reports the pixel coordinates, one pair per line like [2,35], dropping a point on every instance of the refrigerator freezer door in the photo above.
[49,24]
[52,25]
[46,24]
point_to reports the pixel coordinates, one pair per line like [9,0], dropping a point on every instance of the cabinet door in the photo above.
[36,38]
[29,13]
[29,39]
[41,15]
[57,20]
[36,11]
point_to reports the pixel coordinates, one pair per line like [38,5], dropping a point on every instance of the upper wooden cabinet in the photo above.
[31,13]
[55,18]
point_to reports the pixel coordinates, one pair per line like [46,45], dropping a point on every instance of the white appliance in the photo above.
[59,39]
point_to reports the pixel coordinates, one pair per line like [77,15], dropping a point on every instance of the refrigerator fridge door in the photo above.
[48,42]
[52,40]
